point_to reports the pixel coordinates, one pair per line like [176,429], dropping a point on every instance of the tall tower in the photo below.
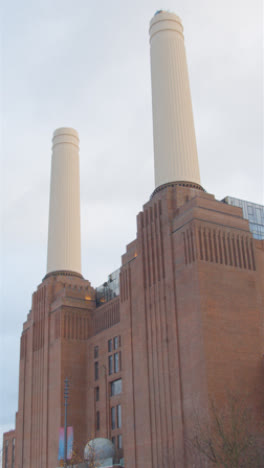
[186,326]
[175,151]
[55,334]
[188,283]
[64,243]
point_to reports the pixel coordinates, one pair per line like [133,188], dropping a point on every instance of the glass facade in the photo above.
[251,211]
[109,289]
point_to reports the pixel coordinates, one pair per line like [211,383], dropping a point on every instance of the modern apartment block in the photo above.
[251,211]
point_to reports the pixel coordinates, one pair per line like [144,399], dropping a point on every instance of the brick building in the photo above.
[181,322]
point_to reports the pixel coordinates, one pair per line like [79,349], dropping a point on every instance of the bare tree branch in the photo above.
[228,439]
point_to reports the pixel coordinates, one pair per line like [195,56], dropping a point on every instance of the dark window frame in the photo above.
[113,417]
[96,370]
[97,393]
[96,352]
[118,416]
[110,364]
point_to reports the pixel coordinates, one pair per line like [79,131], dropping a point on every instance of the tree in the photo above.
[78,456]
[229,440]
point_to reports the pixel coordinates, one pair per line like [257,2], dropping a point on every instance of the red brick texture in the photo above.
[190,318]
[196,308]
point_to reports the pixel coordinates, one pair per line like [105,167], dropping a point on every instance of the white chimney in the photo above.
[175,151]
[64,239]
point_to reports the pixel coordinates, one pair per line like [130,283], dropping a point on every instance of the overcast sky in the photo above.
[86,65]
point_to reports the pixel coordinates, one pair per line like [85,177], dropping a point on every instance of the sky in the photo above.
[86,65]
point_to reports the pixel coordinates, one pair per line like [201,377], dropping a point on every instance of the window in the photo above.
[97,420]
[116,387]
[110,364]
[250,210]
[113,441]
[119,441]
[114,360]
[258,215]
[116,417]
[96,352]
[116,342]
[13,452]
[119,416]
[116,357]
[97,393]
[96,370]
[113,421]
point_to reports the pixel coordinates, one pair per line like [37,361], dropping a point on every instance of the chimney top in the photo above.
[165,20]
[65,135]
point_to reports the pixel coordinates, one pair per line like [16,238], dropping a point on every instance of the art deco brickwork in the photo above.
[186,327]
[53,346]
[189,323]
[195,315]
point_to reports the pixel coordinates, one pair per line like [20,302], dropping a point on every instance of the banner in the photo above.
[69,443]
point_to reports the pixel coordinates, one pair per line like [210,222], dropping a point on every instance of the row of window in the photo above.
[114,360]
[116,418]
[113,344]
[115,389]
[114,365]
